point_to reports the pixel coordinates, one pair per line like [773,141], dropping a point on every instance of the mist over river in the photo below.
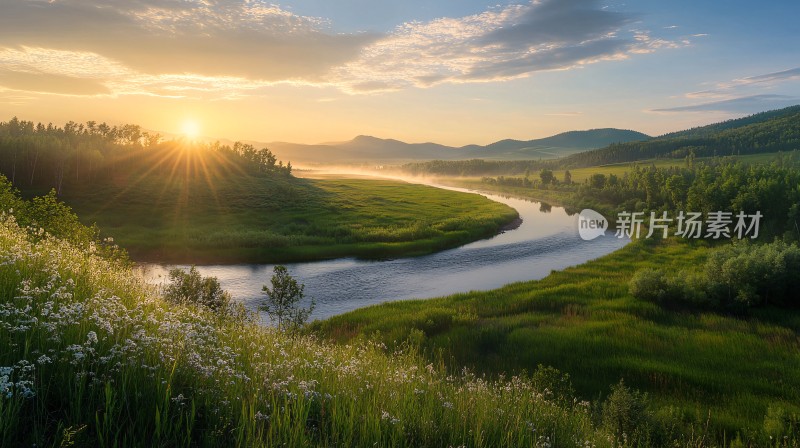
[546,240]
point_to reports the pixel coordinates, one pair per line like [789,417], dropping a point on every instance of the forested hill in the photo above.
[772,131]
[711,129]
[591,139]
[38,157]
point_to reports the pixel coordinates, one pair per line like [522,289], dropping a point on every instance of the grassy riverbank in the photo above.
[733,374]
[244,219]
[93,356]
[699,367]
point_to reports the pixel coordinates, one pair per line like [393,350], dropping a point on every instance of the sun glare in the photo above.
[191,129]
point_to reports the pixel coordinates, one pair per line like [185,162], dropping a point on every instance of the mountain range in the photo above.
[367,149]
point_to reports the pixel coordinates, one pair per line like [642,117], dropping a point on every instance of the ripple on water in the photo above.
[545,241]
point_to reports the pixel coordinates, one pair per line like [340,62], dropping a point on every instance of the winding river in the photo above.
[546,240]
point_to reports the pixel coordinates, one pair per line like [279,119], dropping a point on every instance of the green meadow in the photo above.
[93,356]
[248,219]
[183,201]
[734,373]
[700,368]
[581,175]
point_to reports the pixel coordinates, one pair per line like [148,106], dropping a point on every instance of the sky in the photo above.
[452,71]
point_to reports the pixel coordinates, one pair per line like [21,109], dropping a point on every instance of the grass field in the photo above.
[580,175]
[93,357]
[698,367]
[255,219]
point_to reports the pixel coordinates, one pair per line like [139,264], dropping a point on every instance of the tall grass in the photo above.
[91,356]
[703,369]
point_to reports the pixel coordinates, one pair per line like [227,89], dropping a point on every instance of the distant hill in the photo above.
[363,149]
[772,131]
[556,146]
[755,119]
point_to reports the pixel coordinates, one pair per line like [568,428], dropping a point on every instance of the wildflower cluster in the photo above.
[85,335]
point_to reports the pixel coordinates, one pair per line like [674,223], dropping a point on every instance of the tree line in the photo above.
[473,167]
[720,184]
[34,156]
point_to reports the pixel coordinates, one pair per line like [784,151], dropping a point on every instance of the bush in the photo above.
[651,285]
[735,278]
[776,422]
[745,275]
[625,415]
[690,287]
[191,287]
[551,382]
[597,181]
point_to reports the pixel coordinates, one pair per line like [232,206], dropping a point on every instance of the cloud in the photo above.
[745,95]
[13,98]
[225,49]
[249,39]
[770,78]
[59,72]
[500,44]
[559,22]
[51,83]
[742,105]
[767,80]
[564,114]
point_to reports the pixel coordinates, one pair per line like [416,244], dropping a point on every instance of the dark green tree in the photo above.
[597,181]
[547,176]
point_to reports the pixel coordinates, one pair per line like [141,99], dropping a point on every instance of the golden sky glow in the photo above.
[455,72]
[191,129]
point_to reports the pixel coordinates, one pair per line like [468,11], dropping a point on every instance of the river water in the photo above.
[546,240]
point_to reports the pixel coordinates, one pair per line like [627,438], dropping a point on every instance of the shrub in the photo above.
[191,287]
[597,181]
[735,278]
[776,422]
[625,415]
[690,287]
[650,284]
[551,382]
[745,275]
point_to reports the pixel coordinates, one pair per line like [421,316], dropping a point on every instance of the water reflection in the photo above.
[546,240]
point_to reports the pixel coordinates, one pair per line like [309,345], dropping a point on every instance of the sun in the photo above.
[191,129]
